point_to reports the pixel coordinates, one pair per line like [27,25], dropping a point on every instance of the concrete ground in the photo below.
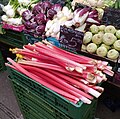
[9,108]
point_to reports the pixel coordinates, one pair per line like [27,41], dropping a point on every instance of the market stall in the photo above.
[64,51]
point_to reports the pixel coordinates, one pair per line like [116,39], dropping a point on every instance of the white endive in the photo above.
[65,11]
[69,23]
[4,18]
[48,33]
[10,13]
[49,24]
[56,28]
[81,28]
[60,14]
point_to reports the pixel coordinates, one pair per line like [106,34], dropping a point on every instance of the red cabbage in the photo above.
[46,6]
[40,29]
[30,25]
[27,15]
[51,13]
[40,18]
[37,9]
[57,7]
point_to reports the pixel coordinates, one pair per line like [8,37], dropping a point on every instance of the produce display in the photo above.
[77,20]
[72,23]
[102,40]
[35,20]
[95,3]
[73,76]
[48,20]
[14,9]
[45,18]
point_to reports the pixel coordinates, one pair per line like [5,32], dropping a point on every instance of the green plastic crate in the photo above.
[75,111]
[13,38]
[36,103]
[38,106]
[2,65]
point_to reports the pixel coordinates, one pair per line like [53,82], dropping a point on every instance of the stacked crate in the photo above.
[13,38]
[39,102]
[2,66]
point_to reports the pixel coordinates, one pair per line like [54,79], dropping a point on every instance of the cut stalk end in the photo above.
[94,93]
[85,100]
[70,69]
[79,70]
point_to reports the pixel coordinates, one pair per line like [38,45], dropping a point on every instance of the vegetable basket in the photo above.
[74,111]
[36,104]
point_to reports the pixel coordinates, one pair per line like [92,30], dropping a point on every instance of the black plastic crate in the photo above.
[2,62]
[13,38]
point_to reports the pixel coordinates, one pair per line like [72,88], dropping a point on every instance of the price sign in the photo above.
[111,17]
[70,39]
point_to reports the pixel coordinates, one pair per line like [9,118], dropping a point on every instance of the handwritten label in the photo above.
[70,39]
[111,17]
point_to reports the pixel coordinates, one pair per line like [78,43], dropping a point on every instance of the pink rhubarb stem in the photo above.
[58,57]
[79,84]
[69,54]
[59,80]
[38,79]
[82,98]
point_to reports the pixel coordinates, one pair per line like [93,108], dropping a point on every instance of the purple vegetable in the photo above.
[27,15]
[40,18]
[93,20]
[51,13]
[57,7]
[32,19]
[46,6]
[77,10]
[30,25]
[93,14]
[83,11]
[37,9]
[40,29]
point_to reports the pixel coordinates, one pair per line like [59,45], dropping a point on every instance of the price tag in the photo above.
[111,17]
[70,39]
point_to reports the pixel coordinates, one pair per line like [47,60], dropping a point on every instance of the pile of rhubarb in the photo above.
[73,76]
